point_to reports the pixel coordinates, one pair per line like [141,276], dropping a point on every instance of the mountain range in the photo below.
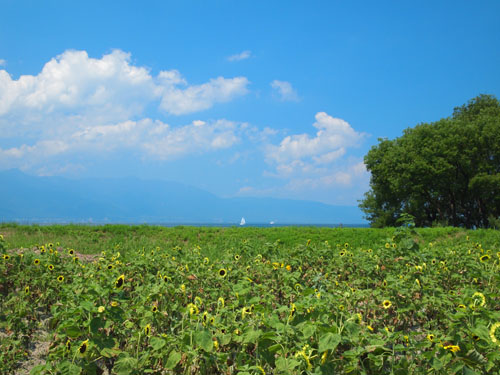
[34,199]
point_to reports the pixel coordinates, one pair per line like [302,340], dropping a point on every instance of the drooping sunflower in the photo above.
[245,311]
[493,330]
[386,304]
[120,281]
[478,297]
[205,317]
[147,330]
[68,345]
[220,302]
[60,278]
[485,258]
[193,309]
[82,349]
[452,348]
[222,272]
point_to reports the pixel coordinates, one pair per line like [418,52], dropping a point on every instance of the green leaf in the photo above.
[173,359]
[95,324]
[157,343]
[204,340]
[109,352]
[328,341]
[68,368]
[251,336]
[286,364]
[73,331]
[125,364]
[87,305]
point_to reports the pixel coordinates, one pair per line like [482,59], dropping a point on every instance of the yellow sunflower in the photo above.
[386,304]
[82,349]
[222,272]
[120,281]
[493,330]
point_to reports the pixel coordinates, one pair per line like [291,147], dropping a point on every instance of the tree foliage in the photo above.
[445,172]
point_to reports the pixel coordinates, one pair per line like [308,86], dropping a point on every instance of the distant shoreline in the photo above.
[186,224]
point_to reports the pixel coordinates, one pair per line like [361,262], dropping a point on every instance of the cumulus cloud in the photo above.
[319,162]
[285,91]
[240,56]
[110,87]
[146,138]
[80,104]
[179,101]
[332,138]
[194,139]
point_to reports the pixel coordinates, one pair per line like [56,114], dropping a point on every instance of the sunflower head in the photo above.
[51,267]
[27,290]
[478,299]
[60,278]
[220,302]
[485,258]
[154,309]
[82,349]
[222,272]
[110,266]
[386,304]
[68,345]
[71,251]
[36,262]
[493,333]
[431,337]
[147,330]
[6,257]
[120,281]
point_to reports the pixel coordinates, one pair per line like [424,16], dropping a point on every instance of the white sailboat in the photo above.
[242,222]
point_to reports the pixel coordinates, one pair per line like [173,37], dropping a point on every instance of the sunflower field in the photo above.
[399,306]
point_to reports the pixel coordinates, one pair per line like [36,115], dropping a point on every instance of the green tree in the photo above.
[445,172]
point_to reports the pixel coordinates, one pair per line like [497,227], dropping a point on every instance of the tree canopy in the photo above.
[445,172]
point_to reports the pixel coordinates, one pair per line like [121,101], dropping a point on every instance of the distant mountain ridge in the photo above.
[132,200]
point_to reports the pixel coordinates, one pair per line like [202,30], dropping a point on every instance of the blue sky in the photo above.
[241,98]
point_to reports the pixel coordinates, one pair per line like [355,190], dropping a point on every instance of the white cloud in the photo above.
[78,105]
[109,88]
[180,101]
[240,56]
[320,164]
[285,91]
[334,135]
[194,139]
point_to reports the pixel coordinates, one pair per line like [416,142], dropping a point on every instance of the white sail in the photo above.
[242,222]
